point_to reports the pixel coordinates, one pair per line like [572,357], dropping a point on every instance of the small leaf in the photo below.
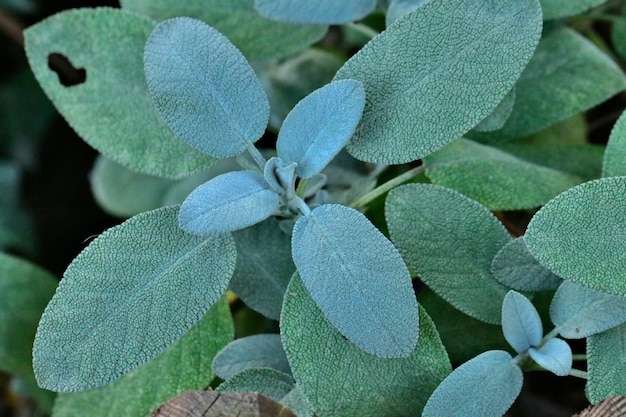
[606,363]
[320,126]
[580,233]
[226,203]
[131,293]
[204,88]
[328,12]
[485,386]
[581,312]
[281,177]
[555,356]
[615,153]
[425,89]
[257,351]
[557,9]
[398,8]
[358,279]
[521,323]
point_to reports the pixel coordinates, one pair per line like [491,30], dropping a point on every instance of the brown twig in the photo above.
[11,27]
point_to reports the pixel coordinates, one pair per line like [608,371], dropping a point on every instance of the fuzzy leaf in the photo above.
[499,115]
[555,356]
[579,235]
[336,376]
[422,221]
[614,162]
[145,388]
[485,386]
[229,202]
[320,126]
[581,312]
[204,88]
[358,279]
[328,12]
[131,293]
[606,363]
[557,9]
[521,323]
[425,89]
[112,110]
[516,268]
[257,351]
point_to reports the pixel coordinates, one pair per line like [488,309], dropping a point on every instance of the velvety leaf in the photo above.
[581,312]
[25,289]
[521,323]
[610,407]
[145,388]
[229,202]
[499,115]
[256,36]
[606,363]
[358,279]
[204,88]
[557,9]
[144,282]
[426,221]
[555,356]
[319,12]
[614,163]
[425,89]
[257,351]
[516,268]
[581,239]
[111,110]
[498,180]
[336,376]
[482,387]
[320,126]
[398,8]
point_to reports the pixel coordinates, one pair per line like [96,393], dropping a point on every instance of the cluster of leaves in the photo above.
[175,107]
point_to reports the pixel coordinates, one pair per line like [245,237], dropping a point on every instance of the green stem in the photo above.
[256,155]
[579,357]
[383,188]
[363,29]
[578,373]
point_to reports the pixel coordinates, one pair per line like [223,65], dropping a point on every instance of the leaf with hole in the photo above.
[521,323]
[328,12]
[555,356]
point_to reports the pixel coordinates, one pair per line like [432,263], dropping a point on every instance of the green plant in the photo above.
[459,85]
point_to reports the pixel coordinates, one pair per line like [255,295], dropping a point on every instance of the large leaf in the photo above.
[204,88]
[521,323]
[614,163]
[145,388]
[579,235]
[485,386]
[428,223]
[320,12]
[112,109]
[131,293]
[425,89]
[256,36]
[358,279]
[338,377]
[606,363]
[556,9]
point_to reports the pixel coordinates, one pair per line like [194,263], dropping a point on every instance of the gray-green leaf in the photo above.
[606,363]
[614,162]
[557,9]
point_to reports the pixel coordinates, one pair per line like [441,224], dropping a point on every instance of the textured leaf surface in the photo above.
[227,203]
[337,376]
[606,363]
[183,366]
[204,88]
[427,223]
[556,9]
[499,115]
[516,268]
[131,293]
[485,386]
[496,179]
[555,356]
[579,235]
[614,163]
[257,351]
[580,311]
[425,89]
[320,126]
[358,279]
[25,289]
[319,12]
[256,36]
[398,8]
[521,323]
[112,110]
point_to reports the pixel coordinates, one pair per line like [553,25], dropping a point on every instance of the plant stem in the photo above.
[302,206]
[256,155]
[579,357]
[578,373]
[383,188]
[11,27]
[363,29]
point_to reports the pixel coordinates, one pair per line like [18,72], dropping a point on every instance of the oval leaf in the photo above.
[204,88]
[330,12]
[521,323]
[358,279]
[320,126]
[229,202]
[579,235]
[428,89]
[614,161]
[606,364]
[555,356]
[130,294]
[485,386]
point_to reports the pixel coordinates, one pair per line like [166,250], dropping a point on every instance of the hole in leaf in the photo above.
[69,75]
